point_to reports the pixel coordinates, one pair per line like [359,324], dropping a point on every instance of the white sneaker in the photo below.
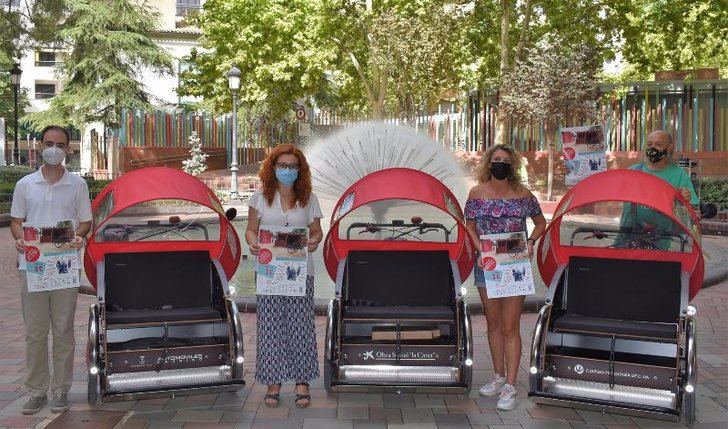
[493,387]
[508,398]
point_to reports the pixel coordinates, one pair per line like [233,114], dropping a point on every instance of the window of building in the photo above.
[184,7]
[45,59]
[44,90]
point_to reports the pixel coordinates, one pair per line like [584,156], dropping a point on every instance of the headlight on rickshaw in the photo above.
[468,362]
[692,311]
[239,359]
[93,370]
[463,290]
[534,370]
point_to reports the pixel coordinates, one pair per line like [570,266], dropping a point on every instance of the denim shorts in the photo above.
[479,276]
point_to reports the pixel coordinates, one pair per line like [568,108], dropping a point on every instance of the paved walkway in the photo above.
[245,409]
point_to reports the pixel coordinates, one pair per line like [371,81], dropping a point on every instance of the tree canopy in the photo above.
[676,34]
[273,44]
[110,46]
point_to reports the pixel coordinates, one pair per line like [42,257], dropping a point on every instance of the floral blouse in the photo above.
[501,215]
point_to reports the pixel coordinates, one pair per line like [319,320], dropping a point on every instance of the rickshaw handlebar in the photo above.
[375,227]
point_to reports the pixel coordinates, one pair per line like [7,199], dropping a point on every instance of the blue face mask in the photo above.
[285,176]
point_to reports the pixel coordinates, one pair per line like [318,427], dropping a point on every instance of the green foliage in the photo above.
[715,191]
[272,43]
[400,56]
[550,86]
[7,98]
[32,24]
[676,34]
[95,185]
[110,45]
[346,57]
[13,173]
[594,24]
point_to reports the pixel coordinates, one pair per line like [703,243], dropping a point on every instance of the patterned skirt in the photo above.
[286,338]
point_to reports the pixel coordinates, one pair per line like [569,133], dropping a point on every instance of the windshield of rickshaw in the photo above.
[161,220]
[622,225]
[398,220]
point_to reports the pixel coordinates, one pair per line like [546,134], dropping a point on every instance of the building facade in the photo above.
[41,80]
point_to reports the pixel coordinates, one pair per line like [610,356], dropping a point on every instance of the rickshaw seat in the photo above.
[398,312]
[154,316]
[629,328]
[622,297]
[159,287]
[399,279]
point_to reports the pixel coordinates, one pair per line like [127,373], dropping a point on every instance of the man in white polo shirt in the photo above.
[44,198]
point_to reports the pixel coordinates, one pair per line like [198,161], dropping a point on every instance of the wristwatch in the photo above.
[533,240]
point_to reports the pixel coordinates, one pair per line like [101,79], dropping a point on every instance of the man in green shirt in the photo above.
[658,162]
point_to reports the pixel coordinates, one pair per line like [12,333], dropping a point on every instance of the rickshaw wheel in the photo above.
[328,344]
[92,355]
[691,370]
[467,347]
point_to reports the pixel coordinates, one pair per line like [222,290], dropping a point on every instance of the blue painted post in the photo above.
[122,130]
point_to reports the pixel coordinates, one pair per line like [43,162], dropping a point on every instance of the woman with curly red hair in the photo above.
[286,330]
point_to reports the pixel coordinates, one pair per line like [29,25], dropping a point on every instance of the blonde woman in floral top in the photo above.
[499,203]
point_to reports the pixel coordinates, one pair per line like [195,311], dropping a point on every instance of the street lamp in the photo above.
[15,73]
[234,84]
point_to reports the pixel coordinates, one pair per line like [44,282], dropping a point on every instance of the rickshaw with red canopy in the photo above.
[160,255]
[622,260]
[398,252]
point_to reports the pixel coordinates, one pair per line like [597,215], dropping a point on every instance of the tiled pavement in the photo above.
[244,409]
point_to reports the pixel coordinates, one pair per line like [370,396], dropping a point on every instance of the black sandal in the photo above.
[274,396]
[302,397]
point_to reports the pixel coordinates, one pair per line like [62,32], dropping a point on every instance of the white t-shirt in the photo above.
[300,217]
[41,204]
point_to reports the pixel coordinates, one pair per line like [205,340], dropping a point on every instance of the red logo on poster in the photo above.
[265,256]
[569,153]
[32,253]
[488,264]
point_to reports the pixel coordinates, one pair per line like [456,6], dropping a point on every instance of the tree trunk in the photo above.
[505,35]
[500,133]
[524,32]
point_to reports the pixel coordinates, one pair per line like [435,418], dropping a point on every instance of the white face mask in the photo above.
[53,155]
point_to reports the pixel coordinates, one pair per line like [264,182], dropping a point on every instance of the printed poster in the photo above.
[281,264]
[50,261]
[506,265]
[584,153]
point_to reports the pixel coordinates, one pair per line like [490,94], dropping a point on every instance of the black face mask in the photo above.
[655,155]
[500,170]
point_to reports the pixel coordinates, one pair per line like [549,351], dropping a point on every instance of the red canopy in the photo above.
[399,184]
[631,187]
[158,183]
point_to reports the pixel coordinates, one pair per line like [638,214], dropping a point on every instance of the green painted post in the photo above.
[696,122]
[679,123]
